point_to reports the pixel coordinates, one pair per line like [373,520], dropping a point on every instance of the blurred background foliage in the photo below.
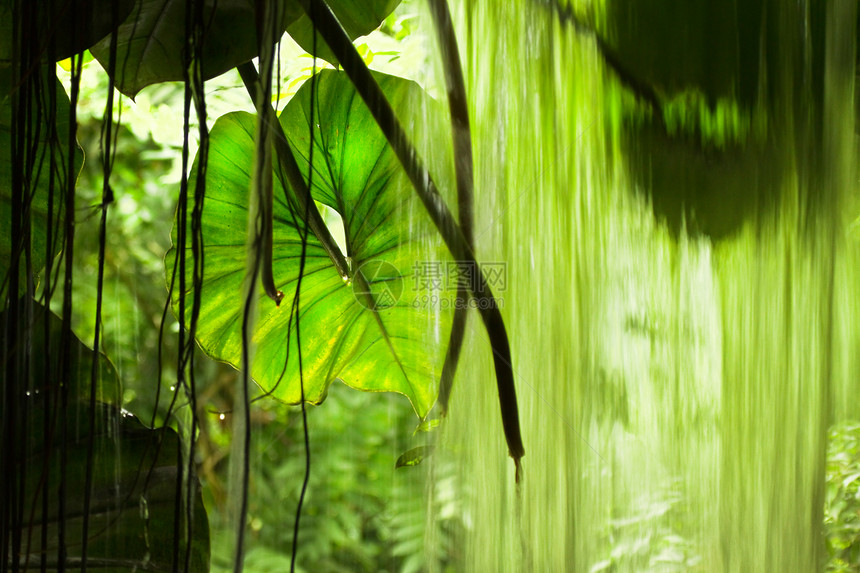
[842,503]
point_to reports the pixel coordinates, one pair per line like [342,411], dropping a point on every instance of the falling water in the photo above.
[681,312]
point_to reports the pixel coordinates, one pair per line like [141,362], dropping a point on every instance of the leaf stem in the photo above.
[299,199]
[327,25]
[464,169]
[265,15]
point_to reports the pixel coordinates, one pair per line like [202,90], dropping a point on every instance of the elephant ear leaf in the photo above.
[63,27]
[385,327]
[152,40]
[132,509]
[132,481]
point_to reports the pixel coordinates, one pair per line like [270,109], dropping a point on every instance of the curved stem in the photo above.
[298,195]
[267,209]
[464,169]
[265,13]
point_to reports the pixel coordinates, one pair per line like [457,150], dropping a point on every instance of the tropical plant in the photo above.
[257,214]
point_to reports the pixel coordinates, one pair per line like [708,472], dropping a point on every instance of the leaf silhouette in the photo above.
[152,40]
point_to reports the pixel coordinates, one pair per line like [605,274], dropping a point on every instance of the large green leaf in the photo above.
[71,25]
[152,40]
[131,524]
[48,160]
[45,365]
[397,346]
[357,17]
[133,502]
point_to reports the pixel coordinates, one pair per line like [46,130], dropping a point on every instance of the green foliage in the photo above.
[45,169]
[152,42]
[676,45]
[67,26]
[650,537]
[137,237]
[134,499]
[361,515]
[133,476]
[414,456]
[46,368]
[373,339]
[842,502]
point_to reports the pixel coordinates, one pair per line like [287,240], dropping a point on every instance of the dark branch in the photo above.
[327,25]
[299,198]
[463,165]
[642,89]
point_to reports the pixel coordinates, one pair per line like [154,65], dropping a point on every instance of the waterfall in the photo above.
[680,293]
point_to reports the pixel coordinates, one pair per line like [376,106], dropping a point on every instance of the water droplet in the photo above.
[144,508]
